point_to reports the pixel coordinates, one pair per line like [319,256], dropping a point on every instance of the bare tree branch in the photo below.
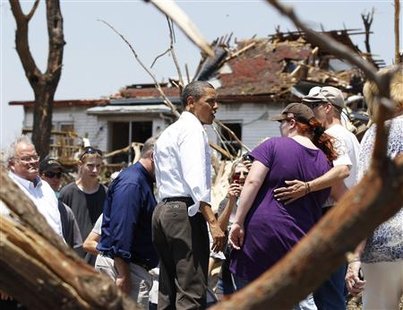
[367,19]
[157,85]
[33,9]
[397,32]
[187,73]
[56,39]
[159,56]
[32,72]
[169,7]
[232,134]
[172,48]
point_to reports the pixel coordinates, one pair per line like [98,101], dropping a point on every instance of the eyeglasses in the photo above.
[91,150]
[28,159]
[237,175]
[51,174]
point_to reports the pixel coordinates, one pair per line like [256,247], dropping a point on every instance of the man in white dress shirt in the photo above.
[23,165]
[183,176]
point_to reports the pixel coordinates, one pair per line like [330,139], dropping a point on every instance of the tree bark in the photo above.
[397,32]
[367,19]
[44,85]
[39,269]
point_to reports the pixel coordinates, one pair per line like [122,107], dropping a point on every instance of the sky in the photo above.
[97,63]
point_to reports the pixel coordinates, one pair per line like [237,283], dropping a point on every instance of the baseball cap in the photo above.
[50,164]
[301,112]
[328,94]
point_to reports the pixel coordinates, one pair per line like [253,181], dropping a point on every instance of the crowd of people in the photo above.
[157,249]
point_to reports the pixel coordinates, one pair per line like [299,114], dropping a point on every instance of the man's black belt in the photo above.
[188,200]
[141,264]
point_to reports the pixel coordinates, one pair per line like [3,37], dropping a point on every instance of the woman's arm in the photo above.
[233,193]
[250,189]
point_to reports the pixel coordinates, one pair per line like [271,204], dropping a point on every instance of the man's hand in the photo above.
[124,283]
[123,280]
[218,236]
[236,236]
[215,230]
[295,189]
[353,282]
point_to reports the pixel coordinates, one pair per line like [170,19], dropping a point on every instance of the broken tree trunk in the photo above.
[39,269]
[378,196]
[397,32]
[43,84]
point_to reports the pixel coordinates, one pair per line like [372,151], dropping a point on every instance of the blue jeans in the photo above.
[305,304]
[239,283]
[331,295]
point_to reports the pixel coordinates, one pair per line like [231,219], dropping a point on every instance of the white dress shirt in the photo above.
[182,162]
[44,199]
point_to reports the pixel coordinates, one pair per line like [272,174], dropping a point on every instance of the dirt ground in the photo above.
[355,303]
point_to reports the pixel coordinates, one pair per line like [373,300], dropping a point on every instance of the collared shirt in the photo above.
[183,163]
[126,224]
[44,199]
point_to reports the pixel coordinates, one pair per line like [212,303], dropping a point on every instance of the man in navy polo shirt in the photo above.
[126,227]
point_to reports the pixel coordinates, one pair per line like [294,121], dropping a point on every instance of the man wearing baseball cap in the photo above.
[51,171]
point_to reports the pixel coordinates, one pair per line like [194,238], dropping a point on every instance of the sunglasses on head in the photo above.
[90,150]
[51,174]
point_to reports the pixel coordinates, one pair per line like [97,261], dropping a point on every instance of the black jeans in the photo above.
[182,244]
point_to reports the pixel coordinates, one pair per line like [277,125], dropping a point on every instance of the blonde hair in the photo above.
[371,91]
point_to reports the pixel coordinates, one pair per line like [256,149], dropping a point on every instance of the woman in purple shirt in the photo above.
[265,229]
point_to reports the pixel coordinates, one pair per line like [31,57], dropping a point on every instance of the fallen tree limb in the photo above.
[39,269]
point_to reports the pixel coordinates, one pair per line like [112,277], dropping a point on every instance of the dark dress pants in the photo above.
[182,244]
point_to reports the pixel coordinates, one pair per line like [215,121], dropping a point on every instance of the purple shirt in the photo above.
[272,228]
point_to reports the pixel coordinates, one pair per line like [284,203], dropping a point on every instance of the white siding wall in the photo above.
[254,117]
[255,120]
[85,125]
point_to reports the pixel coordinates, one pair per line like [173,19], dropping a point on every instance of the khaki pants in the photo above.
[183,246]
[140,277]
[384,285]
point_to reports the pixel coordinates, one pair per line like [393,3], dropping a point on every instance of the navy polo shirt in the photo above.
[127,215]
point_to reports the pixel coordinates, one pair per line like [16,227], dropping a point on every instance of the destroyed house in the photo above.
[255,79]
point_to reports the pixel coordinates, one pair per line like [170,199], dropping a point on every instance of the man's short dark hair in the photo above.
[194,89]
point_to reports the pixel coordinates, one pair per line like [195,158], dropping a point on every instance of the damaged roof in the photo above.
[271,67]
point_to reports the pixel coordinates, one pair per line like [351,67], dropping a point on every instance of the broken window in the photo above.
[124,133]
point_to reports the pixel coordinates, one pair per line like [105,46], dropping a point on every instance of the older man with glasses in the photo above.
[23,165]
